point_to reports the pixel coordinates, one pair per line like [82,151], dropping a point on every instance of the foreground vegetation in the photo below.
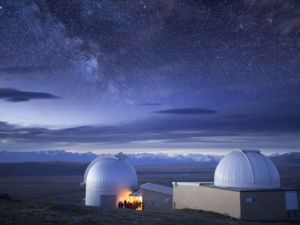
[57,199]
[46,212]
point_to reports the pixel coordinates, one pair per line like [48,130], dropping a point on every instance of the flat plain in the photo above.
[67,187]
[36,198]
[51,212]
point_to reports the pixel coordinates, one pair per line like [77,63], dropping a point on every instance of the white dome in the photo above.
[246,169]
[108,176]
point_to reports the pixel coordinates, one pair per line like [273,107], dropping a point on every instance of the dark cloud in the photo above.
[149,104]
[237,132]
[237,116]
[24,70]
[187,111]
[13,95]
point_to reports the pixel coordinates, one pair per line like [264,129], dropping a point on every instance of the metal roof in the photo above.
[137,193]
[94,162]
[109,174]
[157,188]
[191,183]
[252,189]
[246,169]
[211,185]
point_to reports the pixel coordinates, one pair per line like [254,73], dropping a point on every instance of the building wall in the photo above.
[92,197]
[206,198]
[156,200]
[267,205]
[246,205]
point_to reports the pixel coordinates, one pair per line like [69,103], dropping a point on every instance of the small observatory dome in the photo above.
[246,169]
[108,180]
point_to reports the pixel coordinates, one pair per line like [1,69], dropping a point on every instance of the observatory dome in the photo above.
[246,169]
[108,179]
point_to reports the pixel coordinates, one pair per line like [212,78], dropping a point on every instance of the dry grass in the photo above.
[44,212]
[38,195]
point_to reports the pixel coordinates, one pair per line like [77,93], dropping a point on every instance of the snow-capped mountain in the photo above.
[46,156]
[141,158]
[137,159]
[147,158]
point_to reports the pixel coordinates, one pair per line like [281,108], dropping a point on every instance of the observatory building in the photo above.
[108,181]
[246,186]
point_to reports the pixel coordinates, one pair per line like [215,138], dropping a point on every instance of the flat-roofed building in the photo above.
[246,186]
[156,196]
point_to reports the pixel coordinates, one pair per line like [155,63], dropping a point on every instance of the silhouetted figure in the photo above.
[125,204]
[120,205]
[5,197]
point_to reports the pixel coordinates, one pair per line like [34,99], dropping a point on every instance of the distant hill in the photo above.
[56,163]
[147,158]
[288,163]
[289,168]
[291,159]
[46,156]
[138,159]
[42,168]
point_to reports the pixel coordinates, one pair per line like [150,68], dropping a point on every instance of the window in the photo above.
[250,199]
[167,200]
[154,203]
[291,200]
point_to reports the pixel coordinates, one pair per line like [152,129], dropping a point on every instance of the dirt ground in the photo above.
[58,200]
[49,212]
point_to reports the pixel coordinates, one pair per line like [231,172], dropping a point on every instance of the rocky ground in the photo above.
[46,213]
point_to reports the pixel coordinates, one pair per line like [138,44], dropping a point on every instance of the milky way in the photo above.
[149,75]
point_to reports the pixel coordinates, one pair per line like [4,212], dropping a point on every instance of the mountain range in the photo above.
[62,163]
[63,156]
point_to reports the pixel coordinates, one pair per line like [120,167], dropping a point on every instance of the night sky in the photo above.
[172,76]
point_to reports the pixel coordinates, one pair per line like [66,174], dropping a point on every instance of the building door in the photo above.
[291,200]
[108,201]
